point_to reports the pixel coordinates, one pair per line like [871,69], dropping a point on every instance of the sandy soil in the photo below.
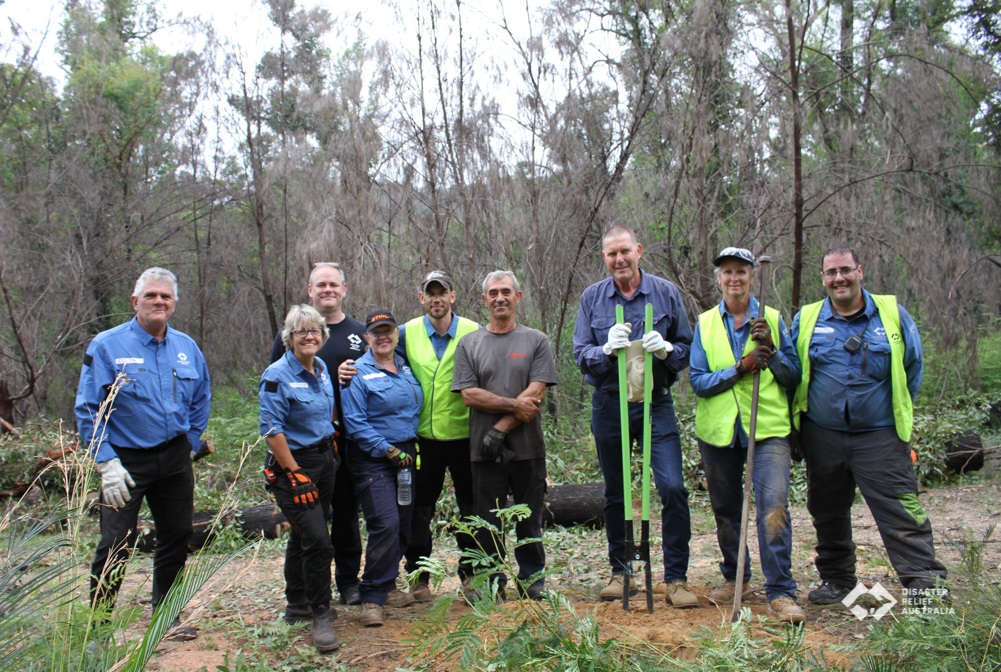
[241,609]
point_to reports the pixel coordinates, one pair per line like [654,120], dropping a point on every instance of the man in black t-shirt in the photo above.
[327,288]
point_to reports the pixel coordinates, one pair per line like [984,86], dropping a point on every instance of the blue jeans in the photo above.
[725,477]
[665,463]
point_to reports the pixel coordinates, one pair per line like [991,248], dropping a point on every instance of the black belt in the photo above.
[169,443]
[324,444]
[657,393]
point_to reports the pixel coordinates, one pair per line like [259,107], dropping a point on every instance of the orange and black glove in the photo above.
[399,458]
[304,493]
[755,360]
[762,333]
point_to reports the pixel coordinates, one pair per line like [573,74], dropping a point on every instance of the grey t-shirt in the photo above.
[505,364]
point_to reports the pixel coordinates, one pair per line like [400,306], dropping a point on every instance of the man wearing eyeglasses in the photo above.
[862,367]
[326,289]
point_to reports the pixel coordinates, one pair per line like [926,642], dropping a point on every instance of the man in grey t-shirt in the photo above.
[502,372]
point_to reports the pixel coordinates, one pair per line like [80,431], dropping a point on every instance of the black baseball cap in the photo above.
[437,276]
[381,316]
[734,253]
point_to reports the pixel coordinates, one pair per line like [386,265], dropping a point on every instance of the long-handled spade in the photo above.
[634,552]
[763,260]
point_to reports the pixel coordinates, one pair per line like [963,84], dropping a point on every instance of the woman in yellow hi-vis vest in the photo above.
[731,342]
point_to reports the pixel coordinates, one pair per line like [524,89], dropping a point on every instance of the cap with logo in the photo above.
[437,276]
[378,317]
[738,253]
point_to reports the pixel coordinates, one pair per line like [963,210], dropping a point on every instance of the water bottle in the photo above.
[404,487]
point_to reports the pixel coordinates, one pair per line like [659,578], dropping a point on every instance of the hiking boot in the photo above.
[350,595]
[371,615]
[613,591]
[324,636]
[828,593]
[422,593]
[679,595]
[298,613]
[785,610]
[723,594]
[397,598]
[180,633]
[536,591]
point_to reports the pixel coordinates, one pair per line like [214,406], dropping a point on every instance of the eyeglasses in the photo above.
[303,333]
[844,272]
[381,333]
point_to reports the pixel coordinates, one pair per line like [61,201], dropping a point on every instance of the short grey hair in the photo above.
[326,264]
[301,316]
[155,273]
[497,275]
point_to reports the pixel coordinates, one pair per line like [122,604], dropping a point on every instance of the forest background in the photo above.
[467,140]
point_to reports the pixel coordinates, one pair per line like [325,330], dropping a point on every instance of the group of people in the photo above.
[442,394]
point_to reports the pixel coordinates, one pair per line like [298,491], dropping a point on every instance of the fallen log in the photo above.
[571,504]
[964,453]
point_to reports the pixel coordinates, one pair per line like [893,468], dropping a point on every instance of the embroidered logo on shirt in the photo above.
[355,341]
[823,330]
[129,360]
[518,355]
[370,376]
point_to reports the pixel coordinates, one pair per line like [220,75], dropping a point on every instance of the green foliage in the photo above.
[734,647]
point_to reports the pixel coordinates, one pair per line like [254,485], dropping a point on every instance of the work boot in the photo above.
[298,613]
[785,610]
[324,636]
[180,633]
[397,598]
[422,593]
[371,615]
[350,594]
[829,593]
[723,594]
[470,594]
[613,591]
[679,595]
[536,591]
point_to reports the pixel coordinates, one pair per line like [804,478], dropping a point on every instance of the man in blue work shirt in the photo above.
[142,403]
[597,341]
[861,359]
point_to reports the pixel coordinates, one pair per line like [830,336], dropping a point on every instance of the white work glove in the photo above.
[115,482]
[655,344]
[618,338]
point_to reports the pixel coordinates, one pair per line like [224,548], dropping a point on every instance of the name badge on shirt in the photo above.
[298,385]
[823,330]
[129,360]
[370,376]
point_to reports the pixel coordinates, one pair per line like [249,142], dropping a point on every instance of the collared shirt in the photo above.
[438,341]
[596,315]
[164,390]
[784,362]
[852,391]
[380,407]
[295,402]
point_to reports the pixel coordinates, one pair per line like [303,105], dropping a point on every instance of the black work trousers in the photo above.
[435,457]
[345,532]
[164,478]
[309,552]
[880,464]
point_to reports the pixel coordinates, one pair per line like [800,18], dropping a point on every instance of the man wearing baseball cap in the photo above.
[429,344]
[732,341]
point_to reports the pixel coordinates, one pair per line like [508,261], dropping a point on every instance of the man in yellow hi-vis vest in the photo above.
[862,367]
[732,341]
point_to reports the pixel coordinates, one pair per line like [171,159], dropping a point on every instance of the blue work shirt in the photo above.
[438,341]
[381,408]
[165,390]
[784,362]
[295,402]
[852,392]
[596,315]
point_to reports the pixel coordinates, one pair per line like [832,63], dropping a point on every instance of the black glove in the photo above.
[399,458]
[755,360]
[762,333]
[493,444]
[304,493]
[795,446]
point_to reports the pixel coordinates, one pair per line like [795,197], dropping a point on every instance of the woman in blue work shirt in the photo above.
[297,407]
[382,404]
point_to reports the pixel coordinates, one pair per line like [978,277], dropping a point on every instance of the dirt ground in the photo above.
[241,609]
